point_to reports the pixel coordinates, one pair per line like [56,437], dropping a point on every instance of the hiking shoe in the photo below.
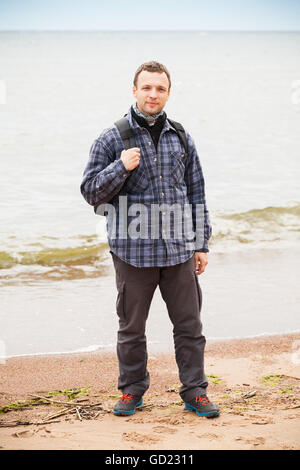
[202,406]
[128,404]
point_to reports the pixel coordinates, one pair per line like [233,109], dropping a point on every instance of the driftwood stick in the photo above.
[60,413]
[66,403]
[290,376]
[10,424]
[56,402]
[78,414]
[250,394]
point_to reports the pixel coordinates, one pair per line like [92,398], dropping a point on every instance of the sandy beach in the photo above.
[254,381]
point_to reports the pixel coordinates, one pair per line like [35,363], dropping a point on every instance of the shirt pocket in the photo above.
[177,167]
[137,182]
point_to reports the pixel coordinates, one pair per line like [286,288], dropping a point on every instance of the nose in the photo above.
[153,93]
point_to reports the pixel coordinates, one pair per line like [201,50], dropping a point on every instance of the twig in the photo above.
[249,395]
[10,424]
[290,377]
[60,413]
[84,411]
[91,405]
[78,414]
[57,402]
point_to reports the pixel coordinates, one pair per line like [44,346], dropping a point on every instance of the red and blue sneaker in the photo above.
[128,404]
[202,406]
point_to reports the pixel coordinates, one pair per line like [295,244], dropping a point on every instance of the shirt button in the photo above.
[155,159]
[149,143]
[160,177]
[182,155]
[162,194]
[125,174]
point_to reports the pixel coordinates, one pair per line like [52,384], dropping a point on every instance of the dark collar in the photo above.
[143,122]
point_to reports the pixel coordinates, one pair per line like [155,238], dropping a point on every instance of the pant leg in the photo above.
[136,287]
[181,291]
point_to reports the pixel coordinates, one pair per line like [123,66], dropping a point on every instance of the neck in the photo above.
[150,118]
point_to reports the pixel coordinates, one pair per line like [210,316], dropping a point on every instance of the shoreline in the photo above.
[269,367]
[111,350]
[242,296]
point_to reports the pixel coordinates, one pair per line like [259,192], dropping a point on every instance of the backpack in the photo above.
[128,138]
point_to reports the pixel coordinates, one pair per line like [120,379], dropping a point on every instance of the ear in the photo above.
[134,91]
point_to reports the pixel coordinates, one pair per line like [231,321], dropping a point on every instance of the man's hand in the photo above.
[131,158]
[200,262]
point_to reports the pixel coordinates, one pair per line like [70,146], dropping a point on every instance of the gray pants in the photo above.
[181,292]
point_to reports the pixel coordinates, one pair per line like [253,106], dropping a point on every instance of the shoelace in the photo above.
[202,399]
[126,398]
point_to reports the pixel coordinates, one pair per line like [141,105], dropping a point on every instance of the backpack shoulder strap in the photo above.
[181,133]
[128,137]
[126,133]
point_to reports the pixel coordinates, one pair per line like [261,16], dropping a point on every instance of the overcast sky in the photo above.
[203,15]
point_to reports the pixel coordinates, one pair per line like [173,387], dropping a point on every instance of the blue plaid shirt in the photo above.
[165,178]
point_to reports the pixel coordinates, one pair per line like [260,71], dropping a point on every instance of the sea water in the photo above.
[238,95]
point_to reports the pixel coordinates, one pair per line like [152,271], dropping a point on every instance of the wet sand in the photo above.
[265,368]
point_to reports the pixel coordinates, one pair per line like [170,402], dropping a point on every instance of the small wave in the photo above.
[238,229]
[267,214]
[87,349]
[79,255]
[267,225]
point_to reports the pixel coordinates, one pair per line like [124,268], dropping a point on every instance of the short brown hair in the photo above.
[151,66]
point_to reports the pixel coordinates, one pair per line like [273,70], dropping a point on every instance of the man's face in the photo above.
[152,92]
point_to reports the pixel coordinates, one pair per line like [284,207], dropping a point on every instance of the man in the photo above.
[153,177]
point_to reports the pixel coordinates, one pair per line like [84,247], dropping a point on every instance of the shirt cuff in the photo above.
[120,164]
